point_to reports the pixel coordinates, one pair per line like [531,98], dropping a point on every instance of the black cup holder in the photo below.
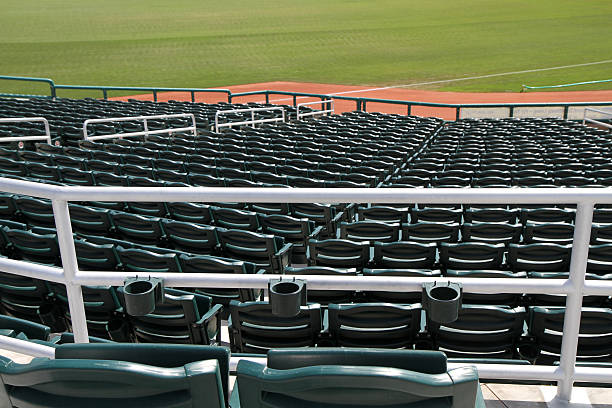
[442,301]
[142,294]
[286,296]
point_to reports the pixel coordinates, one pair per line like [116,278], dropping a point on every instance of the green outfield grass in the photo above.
[198,43]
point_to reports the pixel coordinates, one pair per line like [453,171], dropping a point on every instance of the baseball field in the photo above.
[500,45]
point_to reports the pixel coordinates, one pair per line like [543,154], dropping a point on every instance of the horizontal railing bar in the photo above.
[312,195]
[132,134]
[23,138]
[608,125]
[319,112]
[331,282]
[26,347]
[270,108]
[142,88]
[134,118]
[32,270]
[248,122]
[598,110]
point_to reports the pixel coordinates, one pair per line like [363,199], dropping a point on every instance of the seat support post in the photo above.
[70,269]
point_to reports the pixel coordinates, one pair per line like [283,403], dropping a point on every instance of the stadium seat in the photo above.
[379,325]
[188,378]
[254,329]
[266,251]
[383,378]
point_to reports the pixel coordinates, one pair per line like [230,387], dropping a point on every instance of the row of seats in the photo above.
[190,376]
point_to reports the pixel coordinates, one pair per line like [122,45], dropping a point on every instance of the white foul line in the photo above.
[458,79]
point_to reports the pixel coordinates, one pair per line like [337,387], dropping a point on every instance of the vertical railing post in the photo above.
[294,100]
[52,88]
[146,129]
[511,113]
[154,95]
[409,110]
[458,113]
[573,304]
[70,267]
[565,111]
[105,94]
[192,96]
[267,96]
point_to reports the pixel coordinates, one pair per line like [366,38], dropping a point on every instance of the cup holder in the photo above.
[442,301]
[142,294]
[286,296]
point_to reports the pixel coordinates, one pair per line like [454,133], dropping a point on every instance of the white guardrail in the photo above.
[251,122]
[597,122]
[46,136]
[146,132]
[330,108]
[574,287]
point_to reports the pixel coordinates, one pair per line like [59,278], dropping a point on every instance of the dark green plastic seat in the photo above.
[266,251]
[188,237]
[490,215]
[103,382]
[182,318]
[546,215]
[508,299]
[35,211]
[325,297]
[404,254]
[446,215]
[374,231]
[339,253]
[601,233]
[383,213]
[555,233]
[27,245]
[237,219]
[254,329]
[430,232]
[140,260]
[539,257]
[480,332]
[471,255]
[491,232]
[401,297]
[138,228]
[88,220]
[356,378]
[380,325]
[296,231]
[23,329]
[209,264]
[190,212]
[594,340]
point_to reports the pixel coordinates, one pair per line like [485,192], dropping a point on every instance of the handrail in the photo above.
[597,122]
[253,121]
[46,136]
[146,131]
[153,90]
[575,286]
[360,102]
[327,107]
[32,79]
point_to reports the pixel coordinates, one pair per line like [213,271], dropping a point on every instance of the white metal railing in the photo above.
[46,136]
[597,122]
[322,111]
[574,287]
[253,121]
[146,132]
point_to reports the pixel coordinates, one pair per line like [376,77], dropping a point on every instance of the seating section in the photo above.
[356,149]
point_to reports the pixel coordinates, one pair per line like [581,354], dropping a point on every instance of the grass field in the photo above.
[199,43]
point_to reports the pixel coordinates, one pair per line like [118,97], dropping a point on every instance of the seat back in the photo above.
[254,329]
[381,325]
[77,383]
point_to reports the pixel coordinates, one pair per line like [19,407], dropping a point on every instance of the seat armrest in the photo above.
[314,234]
[284,256]
[213,313]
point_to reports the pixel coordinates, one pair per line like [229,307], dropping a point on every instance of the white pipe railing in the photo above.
[46,136]
[146,132]
[574,287]
[251,122]
[597,122]
[322,111]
